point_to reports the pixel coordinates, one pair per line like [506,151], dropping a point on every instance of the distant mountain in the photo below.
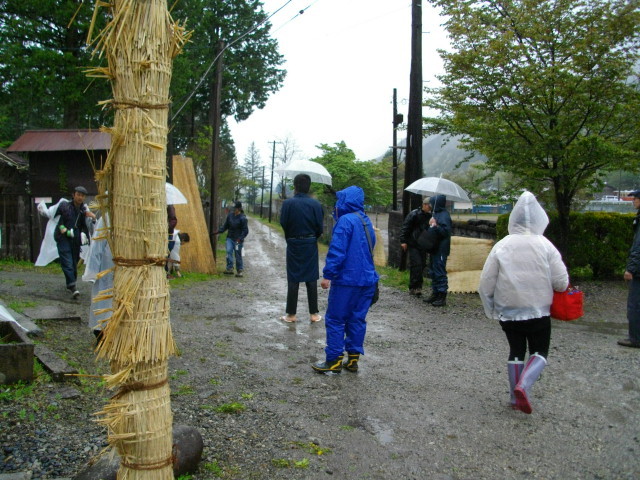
[438,158]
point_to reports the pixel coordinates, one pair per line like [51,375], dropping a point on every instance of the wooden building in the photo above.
[56,161]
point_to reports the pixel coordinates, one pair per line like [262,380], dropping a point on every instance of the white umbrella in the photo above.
[317,172]
[174,196]
[439,186]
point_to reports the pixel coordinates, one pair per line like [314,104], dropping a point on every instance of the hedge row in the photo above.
[599,242]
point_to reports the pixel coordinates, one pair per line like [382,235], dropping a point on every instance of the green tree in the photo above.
[373,177]
[252,173]
[43,55]
[545,89]
[251,64]
[200,153]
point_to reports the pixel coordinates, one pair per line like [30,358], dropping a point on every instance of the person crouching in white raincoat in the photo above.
[516,288]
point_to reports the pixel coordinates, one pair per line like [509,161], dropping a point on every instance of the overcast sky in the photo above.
[343,60]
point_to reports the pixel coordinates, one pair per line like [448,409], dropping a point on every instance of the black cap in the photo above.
[80,189]
[238,205]
[635,193]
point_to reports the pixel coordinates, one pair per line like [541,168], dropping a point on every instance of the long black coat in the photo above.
[301,218]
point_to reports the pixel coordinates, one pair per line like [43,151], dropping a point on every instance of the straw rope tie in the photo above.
[139,262]
[147,106]
[150,466]
[138,387]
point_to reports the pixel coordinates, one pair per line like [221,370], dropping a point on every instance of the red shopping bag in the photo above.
[567,305]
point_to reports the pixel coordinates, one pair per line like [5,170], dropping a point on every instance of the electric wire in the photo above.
[296,15]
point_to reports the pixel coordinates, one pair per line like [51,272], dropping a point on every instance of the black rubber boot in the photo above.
[441,301]
[432,298]
[352,362]
[334,366]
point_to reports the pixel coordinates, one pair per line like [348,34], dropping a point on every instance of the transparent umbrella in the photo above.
[174,196]
[317,172]
[439,186]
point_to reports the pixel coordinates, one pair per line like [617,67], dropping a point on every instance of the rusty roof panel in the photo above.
[12,159]
[61,140]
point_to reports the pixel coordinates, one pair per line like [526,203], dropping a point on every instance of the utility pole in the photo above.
[273,159]
[397,120]
[413,159]
[214,121]
[262,193]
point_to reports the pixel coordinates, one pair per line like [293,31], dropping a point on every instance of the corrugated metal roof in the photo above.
[13,160]
[61,140]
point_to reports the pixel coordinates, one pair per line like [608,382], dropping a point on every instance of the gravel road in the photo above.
[430,400]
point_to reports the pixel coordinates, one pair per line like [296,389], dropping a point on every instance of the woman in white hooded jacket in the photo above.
[516,288]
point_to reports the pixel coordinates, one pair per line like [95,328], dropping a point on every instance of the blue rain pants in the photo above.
[345,319]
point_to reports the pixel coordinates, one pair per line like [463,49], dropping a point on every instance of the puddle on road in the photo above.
[383,433]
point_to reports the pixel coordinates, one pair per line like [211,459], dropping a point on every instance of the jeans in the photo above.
[69,252]
[439,280]
[231,250]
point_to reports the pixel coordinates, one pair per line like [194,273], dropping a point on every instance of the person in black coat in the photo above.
[632,275]
[301,218]
[68,236]
[414,224]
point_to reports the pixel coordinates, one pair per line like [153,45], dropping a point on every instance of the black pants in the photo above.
[535,332]
[292,297]
[417,262]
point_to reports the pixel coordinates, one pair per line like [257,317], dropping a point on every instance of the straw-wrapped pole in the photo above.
[139,43]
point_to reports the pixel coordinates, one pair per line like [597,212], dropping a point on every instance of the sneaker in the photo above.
[627,342]
[239,274]
[228,272]
[75,294]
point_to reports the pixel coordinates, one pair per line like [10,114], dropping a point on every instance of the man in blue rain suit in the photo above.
[350,272]
[441,221]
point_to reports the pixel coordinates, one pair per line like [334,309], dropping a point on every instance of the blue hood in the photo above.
[350,200]
[438,202]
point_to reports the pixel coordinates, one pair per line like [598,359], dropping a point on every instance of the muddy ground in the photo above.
[430,400]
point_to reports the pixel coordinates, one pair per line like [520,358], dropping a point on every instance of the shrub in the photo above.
[598,241]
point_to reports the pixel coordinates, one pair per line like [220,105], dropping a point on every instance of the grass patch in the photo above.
[15,265]
[392,277]
[189,278]
[214,468]
[286,463]
[19,305]
[311,448]
[233,407]
[185,390]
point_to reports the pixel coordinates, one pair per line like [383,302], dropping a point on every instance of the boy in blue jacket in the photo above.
[350,272]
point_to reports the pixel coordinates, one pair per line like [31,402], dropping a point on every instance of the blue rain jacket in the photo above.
[349,261]
[439,212]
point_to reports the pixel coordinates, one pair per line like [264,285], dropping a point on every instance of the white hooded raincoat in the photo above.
[524,268]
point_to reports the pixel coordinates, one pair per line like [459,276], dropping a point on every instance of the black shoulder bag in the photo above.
[376,294]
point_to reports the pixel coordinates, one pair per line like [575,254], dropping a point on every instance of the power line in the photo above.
[296,15]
